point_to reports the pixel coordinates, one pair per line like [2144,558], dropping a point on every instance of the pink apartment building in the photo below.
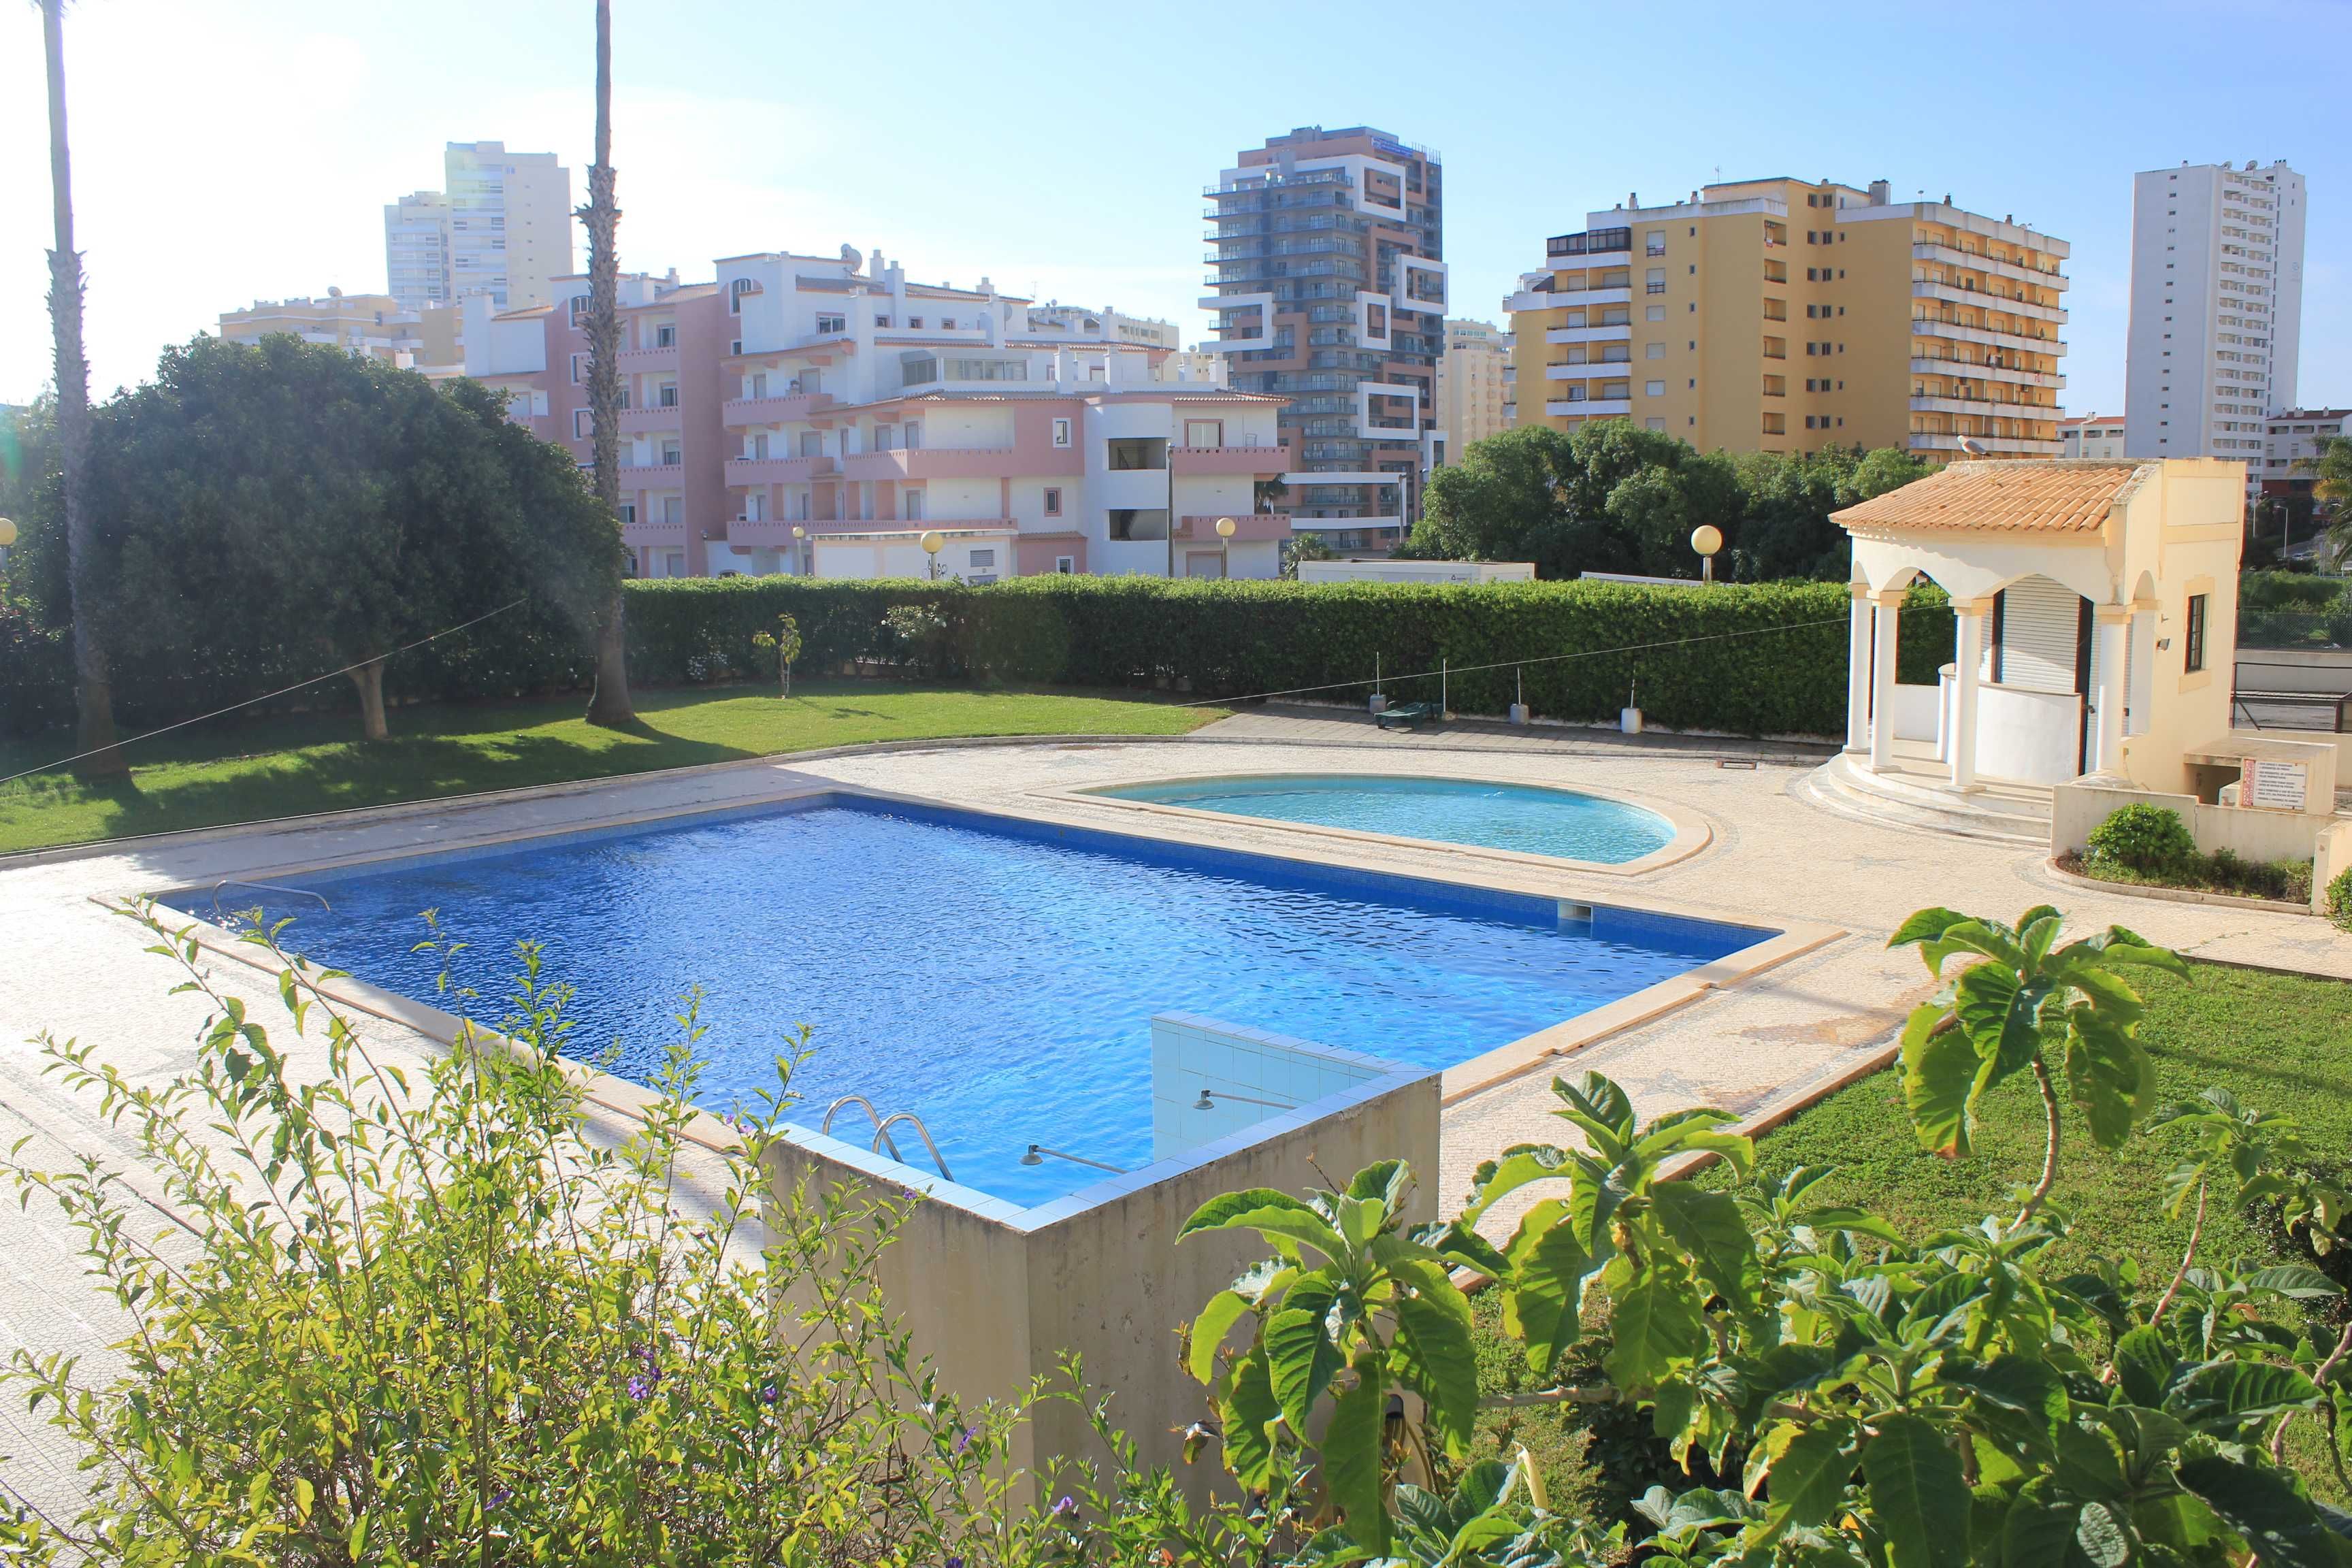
[820,416]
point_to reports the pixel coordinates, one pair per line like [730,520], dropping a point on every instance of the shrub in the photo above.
[2147,840]
[2339,898]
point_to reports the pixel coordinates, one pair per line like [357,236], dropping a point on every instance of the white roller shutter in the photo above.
[2039,624]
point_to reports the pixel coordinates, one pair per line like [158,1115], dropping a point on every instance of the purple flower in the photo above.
[963,1440]
[1065,1504]
[768,1393]
[641,1385]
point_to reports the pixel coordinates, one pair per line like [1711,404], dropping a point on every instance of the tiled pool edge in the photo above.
[1693,832]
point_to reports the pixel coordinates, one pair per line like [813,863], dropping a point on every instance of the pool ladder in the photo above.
[882,1125]
[222,917]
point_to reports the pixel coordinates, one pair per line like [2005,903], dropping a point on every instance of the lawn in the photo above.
[2281,1042]
[214,774]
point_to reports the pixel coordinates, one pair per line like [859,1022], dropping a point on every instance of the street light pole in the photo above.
[1224,548]
[1171,492]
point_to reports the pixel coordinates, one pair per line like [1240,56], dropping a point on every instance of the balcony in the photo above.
[938,463]
[1614,332]
[654,532]
[648,421]
[1986,301]
[1952,255]
[785,410]
[1937,364]
[1589,407]
[651,476]
[767,533]
[777,470]
[1249,527]
[1560,298]
[1985,407]
[1929,327]
[1594,245]
[1256,462]
[638,362]
[1597,370]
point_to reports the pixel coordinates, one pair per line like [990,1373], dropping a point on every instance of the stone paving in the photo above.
[1756,1048]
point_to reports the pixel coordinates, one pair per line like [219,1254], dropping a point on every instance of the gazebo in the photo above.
[2095,614]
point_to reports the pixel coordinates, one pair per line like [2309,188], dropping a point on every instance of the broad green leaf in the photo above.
[1244,1413]
[2088,1463]
[1515,1170]
[1541,1299]
[2261,1505]
[1461,1244]
[1351,1458]
[2102,1536]
[1997,1015]
[1926,925]
[2118,945]
[2221,1396]
[2108,1076]
[2037,1534]
[1206,1332]
[1386,1180]
[1714,1234]
[2144,1366]
[1300,1354]
[2037,929]
[1433,1332]
[2014,1382]
[1859,1222]
[1224,1212]
[1939,1078]
[1809,1469]
[2299,1281]
[1596,1104]
[1918,1492]
[1989,938]
[1658,1327]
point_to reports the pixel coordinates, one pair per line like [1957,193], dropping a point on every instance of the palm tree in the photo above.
[2332,487]
[94,699]
[609,703]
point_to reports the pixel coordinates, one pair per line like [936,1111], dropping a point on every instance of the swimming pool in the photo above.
[1529,819]
[994,975]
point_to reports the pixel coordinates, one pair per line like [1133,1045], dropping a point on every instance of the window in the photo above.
[1654,313]
[1053,500]
[881,320]
[582,429]
[576,368]
[665,337]
[1654,351]
[914,323]
[1654,389]
[734,345]
[628,513]
[665,395]
[2193,659]
[830,322]
[736,289]
[946,323]
[984,560]
[1204,433]
[1654,424]
[913,505]
[1065,565]
[1654,243]
[579,309]
[1654,280]
[1061,433]
[670,455]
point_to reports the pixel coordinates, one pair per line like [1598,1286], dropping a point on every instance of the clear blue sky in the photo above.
[230,152]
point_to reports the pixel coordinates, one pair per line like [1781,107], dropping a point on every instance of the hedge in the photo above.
[1764,658]
[1752,659]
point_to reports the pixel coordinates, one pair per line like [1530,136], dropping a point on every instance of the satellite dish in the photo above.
[851,258]
[1972,446]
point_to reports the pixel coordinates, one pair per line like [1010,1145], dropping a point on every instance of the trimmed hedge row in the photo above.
[1764,658]
[1753,660]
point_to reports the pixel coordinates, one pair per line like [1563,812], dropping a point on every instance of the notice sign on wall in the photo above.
[2270,785]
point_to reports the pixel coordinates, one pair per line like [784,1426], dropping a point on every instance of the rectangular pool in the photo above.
[995,976]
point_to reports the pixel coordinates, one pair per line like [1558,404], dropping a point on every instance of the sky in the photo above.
[244,150]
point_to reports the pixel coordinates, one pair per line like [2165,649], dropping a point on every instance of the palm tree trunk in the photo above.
[609,703]
[94,697]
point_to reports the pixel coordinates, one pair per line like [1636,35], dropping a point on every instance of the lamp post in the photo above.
[1224,547]
[933,543]
[1707,539]
[800,549]
[7,542]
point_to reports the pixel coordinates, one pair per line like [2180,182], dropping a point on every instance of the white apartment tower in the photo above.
[2216,307]
[502,227]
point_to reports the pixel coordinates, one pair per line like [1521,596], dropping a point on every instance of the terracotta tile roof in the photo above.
[2023,494]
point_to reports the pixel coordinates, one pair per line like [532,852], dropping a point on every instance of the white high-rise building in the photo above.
[2216,307]
[502,227]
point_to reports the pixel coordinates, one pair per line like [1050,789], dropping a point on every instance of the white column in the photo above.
[1968,620]
[1889,602]
[1857,671]
[2111,621]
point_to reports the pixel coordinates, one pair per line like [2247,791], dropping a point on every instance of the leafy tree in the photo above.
[1489,506]
[786,642]
[352,507]
[2331,473]
[608,702]
[98,756]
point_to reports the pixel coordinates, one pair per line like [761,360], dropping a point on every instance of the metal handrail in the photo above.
[882,1134]
[222,916]
[1038,1150]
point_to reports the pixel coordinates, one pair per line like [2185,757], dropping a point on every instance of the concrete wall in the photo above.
[2333,857]
[2327,669]
[992,1294]
[2076,808]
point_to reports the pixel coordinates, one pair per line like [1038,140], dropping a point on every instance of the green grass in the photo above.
[288,766]
[2280,1042]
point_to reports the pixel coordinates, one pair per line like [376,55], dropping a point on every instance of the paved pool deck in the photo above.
[1757,1045]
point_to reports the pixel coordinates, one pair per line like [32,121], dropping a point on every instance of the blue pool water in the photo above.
[1524,817]
[997,978]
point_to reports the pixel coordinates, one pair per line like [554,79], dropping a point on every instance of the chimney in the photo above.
[1881,193]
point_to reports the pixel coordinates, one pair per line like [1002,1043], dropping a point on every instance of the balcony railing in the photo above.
[784,409]
[1248,527]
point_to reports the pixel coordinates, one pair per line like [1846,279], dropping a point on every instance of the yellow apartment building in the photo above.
[1474,385]
[1786,315]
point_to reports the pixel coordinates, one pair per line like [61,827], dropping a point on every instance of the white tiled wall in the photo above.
[1190,1053]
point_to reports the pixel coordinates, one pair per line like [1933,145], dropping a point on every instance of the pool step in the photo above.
[1842,786]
